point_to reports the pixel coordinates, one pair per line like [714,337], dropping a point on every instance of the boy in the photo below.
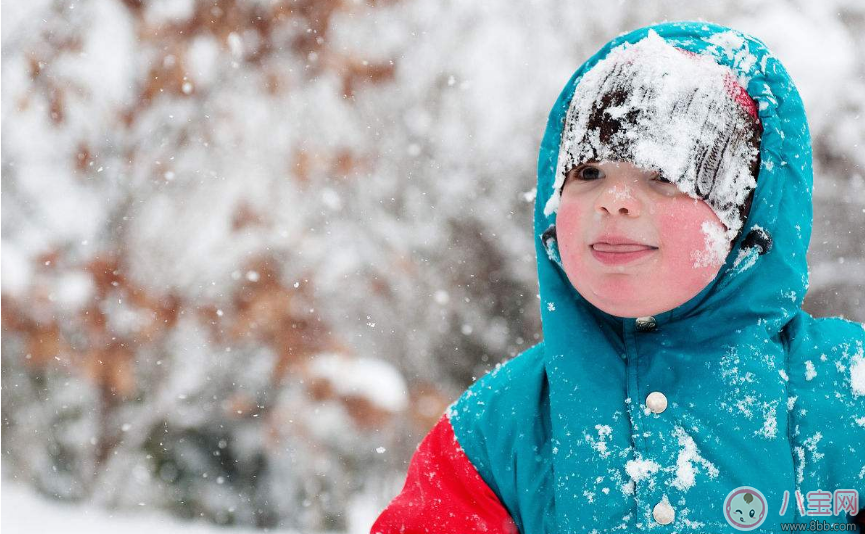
[679,386]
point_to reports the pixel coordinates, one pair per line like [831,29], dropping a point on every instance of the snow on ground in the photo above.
[24,511]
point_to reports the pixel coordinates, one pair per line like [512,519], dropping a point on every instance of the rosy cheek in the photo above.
[678,233]
[681,226]
[569,234]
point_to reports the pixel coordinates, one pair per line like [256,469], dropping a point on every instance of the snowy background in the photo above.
[251,250]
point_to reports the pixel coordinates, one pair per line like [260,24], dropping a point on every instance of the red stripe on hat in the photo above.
[734,89]
[741,95]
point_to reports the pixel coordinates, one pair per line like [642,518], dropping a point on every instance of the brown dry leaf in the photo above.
[44,343]
[246,216]
[366,415]
[239,405]
[356,73]
[426,405]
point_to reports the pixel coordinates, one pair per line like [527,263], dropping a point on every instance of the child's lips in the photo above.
[619,254]
[607,247]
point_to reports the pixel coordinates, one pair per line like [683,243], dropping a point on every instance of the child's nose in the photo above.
[618,199]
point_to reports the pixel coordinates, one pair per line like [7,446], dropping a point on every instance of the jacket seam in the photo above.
[785,344]
[493,490]
[482,449]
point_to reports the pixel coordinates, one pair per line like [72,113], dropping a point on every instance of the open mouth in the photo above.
[609,254]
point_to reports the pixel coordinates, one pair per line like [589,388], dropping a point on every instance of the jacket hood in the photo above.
[764,277]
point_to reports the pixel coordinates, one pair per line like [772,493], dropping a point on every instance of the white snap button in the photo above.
[645,324]
[663,513]
[656,402]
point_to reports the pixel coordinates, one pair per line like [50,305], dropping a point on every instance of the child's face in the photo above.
[680,244]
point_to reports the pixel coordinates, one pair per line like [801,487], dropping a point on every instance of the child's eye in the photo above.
[661,178]
[587,173]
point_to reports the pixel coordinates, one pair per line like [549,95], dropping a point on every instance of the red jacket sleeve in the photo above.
[443,493]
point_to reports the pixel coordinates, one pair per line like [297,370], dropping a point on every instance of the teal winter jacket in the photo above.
[759,394]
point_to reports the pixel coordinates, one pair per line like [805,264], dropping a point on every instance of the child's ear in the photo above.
[549,233]
[759,238]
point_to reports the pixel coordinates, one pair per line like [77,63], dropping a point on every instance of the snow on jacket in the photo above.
[758,392]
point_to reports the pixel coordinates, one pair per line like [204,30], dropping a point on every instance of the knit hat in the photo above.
[663,108]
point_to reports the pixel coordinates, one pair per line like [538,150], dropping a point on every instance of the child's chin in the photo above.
[619,307]
[627,306]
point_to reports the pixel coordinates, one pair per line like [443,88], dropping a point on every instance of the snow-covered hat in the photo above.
[661,107]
